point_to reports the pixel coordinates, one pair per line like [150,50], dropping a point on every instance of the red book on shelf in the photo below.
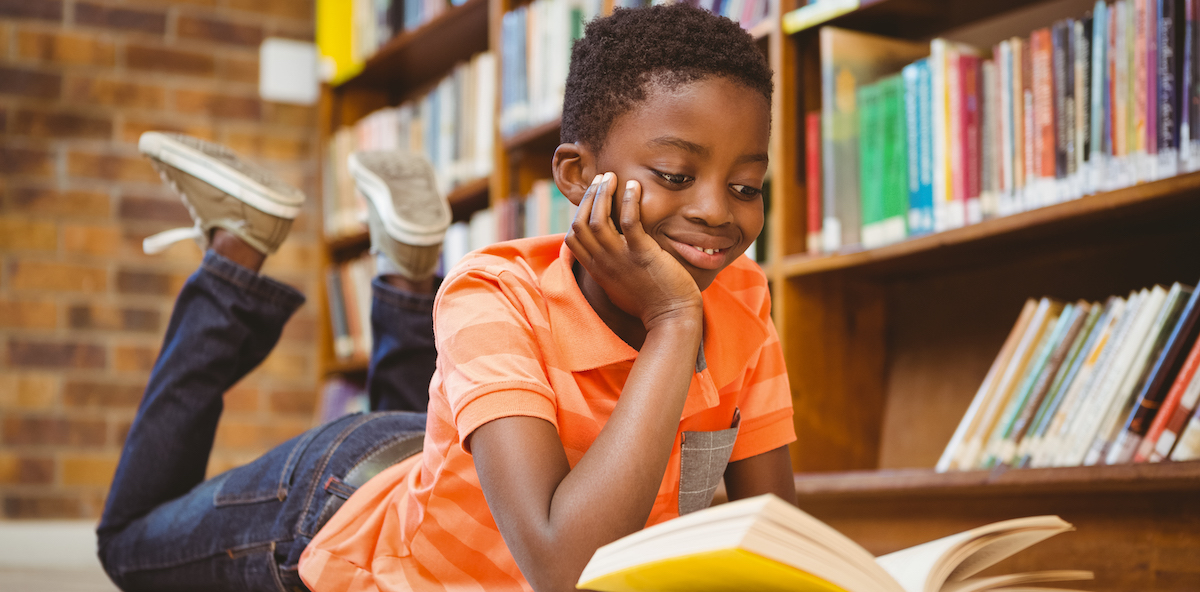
[1173,414]
[812,176]
[1043,102]
[971,142]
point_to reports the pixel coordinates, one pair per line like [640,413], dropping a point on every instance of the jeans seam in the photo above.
[320,470]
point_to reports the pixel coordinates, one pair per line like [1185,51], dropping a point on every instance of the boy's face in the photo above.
[699,151]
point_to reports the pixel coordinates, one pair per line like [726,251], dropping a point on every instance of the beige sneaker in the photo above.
[217,186]
[406,215]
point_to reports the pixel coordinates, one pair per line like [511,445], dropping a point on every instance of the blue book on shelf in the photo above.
[918,108]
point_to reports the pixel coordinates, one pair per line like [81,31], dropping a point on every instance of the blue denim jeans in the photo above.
[164,527]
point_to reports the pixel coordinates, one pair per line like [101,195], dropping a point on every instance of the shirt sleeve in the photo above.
[486,326]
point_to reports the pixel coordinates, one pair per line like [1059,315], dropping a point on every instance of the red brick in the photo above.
[43,505]
[292,115]
[153,209]
[97,15]
[116,93]
[133,129]
[40,354]
[17,469]
[47,10]
[297,9]
[65,48]
[25,161]
[113,318]
[28,314]
[89,469]
[238,70]
[134,358]
[29,83]
[57,277]
[292,30]
[146,282]
[28,390]
[43,124]
[18,234]
[162,59]
[34,430]
[241,399]
[219,30]
[111,167]
[91,240]
[218,105]
[34,200]
[101,395]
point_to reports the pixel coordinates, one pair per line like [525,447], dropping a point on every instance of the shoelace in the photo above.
[155,244]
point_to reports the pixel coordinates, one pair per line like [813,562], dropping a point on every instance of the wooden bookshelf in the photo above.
[886,347]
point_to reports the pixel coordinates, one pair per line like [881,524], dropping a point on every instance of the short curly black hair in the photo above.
[622,55]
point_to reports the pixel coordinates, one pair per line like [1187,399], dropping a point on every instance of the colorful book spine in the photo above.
[1150,398]
[812,173]
[918,93]
[1099,96]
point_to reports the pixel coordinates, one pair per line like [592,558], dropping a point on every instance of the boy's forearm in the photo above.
[611,490]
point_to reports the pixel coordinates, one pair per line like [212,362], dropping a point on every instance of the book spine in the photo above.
[1176,407]
[1043,110]
[812,161]
[895,160]
[912,108]
[1019,124]
[925,135]
[939,49]
[1153,33]
[956,146]
[972,121]
[1138,91]
[1188,447]
[1073,324]
[1150,397]
[1189,131]
[1168,89]
[1007,146]
[1061,84]
[1098,94]
[1081,54]
[990,149]
[870,163]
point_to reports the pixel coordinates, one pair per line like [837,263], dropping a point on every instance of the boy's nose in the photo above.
[710,205]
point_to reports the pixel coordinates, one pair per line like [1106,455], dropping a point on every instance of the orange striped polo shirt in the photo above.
[515,336]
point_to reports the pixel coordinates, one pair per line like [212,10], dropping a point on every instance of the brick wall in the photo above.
[82,310]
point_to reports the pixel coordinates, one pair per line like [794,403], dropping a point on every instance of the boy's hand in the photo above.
[638,276]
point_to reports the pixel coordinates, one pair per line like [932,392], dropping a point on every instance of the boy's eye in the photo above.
[673,178]
[747,191]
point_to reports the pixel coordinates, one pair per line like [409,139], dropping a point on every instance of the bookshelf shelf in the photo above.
[909,19]
[543,136]
[1099,214]
[415,58]
[1136,478]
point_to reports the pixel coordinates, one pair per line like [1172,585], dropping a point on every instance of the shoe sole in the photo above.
[380,195]
[208,169]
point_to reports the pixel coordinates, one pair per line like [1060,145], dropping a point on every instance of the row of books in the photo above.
[453,125]
[1088,383]
[535,54]
[376,21]
[348,286]
[924,137]
[545,210]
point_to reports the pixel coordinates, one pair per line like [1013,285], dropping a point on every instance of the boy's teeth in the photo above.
[708,251]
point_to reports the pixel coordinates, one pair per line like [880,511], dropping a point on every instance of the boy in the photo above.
[584,388]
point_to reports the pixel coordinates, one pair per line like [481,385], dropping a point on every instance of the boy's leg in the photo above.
[226,320]
[407,218]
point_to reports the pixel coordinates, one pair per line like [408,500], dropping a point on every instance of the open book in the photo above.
[764,543]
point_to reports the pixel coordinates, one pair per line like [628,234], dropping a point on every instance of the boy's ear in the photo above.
[574,168]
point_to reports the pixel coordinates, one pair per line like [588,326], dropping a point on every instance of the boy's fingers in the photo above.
[600,220]
[631,213]
[579,227]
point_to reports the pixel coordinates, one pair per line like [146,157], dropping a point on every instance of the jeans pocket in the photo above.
[266,479]
[702,460]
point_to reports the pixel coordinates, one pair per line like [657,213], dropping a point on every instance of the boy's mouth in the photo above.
[703,257]
[707,251]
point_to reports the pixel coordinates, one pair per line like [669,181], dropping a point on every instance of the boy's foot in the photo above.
[406,215]
[217,186]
